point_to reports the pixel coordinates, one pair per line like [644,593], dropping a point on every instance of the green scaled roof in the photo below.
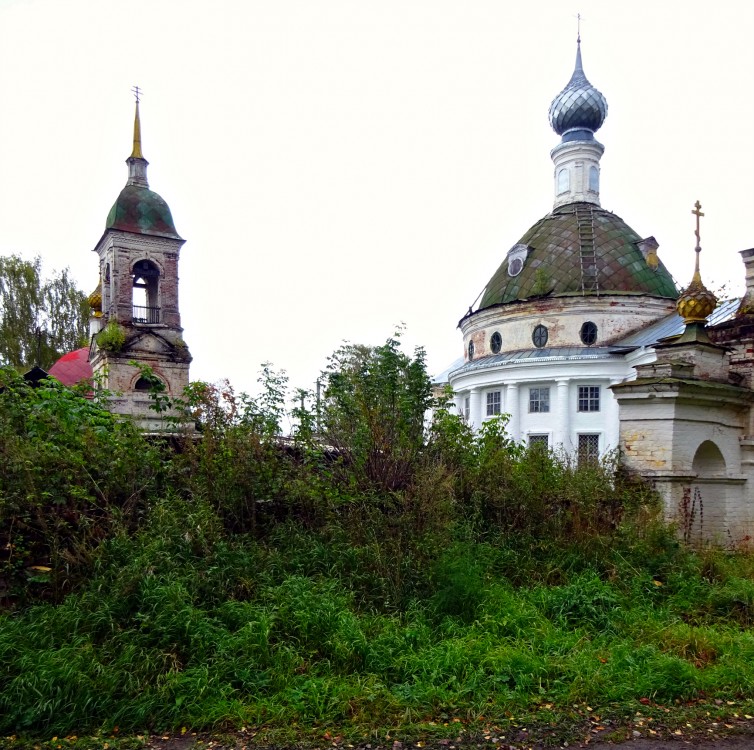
[553,266]
[140,210]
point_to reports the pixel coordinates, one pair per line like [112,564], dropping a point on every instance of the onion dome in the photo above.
[579,106]
[139,209]
[696,302]
[578,249]
[95,301]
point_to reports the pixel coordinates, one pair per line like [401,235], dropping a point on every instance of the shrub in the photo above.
[112,337]
[72,475]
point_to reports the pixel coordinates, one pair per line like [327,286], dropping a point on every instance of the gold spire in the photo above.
[136,153]
[696,303]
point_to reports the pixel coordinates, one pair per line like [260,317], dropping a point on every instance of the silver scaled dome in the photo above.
[579,106]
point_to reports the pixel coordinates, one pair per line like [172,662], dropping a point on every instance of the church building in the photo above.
[548,337]
[582,338]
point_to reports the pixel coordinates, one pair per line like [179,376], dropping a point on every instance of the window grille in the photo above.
[589,449]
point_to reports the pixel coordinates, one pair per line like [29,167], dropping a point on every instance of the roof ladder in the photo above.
[587,257]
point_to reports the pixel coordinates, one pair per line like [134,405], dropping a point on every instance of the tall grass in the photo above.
[184,625]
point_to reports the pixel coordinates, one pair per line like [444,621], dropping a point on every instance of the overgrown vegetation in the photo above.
[112,337]
[371,572]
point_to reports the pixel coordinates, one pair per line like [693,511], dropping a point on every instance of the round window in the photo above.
[496,343]
[471,350]
[515,267]
[589,333]
[539,337]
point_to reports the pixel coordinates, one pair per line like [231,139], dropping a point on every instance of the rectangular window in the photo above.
[589,398]
[589,449]
[493,403]
[466,408]
[539,399]
[539,441]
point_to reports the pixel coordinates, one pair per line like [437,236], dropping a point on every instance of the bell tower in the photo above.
[136,316]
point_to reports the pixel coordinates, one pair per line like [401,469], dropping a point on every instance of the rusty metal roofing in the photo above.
[140,210]
[555,264]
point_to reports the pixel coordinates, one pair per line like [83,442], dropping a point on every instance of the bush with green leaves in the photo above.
[373,414]
[237,462]
[72,474]
[112,337]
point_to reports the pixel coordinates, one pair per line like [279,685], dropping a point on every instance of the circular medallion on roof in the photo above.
[516,257]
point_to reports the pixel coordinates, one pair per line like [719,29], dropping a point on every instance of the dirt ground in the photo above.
[741,738]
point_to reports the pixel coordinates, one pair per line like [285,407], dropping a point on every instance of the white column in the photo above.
[475,408]
[612,417]
[562,436]
[512,407]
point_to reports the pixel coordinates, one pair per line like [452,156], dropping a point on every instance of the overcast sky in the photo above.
[338,167]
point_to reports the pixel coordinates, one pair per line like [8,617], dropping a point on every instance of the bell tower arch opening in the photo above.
[146,292]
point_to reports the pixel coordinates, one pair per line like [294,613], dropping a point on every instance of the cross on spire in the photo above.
[578,28]
[137,93]
[697,211]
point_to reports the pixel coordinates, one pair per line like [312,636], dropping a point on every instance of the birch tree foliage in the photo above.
[40,318]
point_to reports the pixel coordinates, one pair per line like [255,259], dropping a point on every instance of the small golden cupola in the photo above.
[95,301]
[696,302]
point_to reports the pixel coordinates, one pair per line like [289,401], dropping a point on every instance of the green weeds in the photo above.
[407,579]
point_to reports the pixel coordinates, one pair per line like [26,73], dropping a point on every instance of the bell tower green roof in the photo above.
[139,209]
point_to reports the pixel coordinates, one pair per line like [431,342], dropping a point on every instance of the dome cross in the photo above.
[697,211]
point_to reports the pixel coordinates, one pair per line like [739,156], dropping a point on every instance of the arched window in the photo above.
[564,181]
[471,350]
[146,292]
[142,384]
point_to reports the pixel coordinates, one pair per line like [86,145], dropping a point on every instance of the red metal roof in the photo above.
[73,367]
